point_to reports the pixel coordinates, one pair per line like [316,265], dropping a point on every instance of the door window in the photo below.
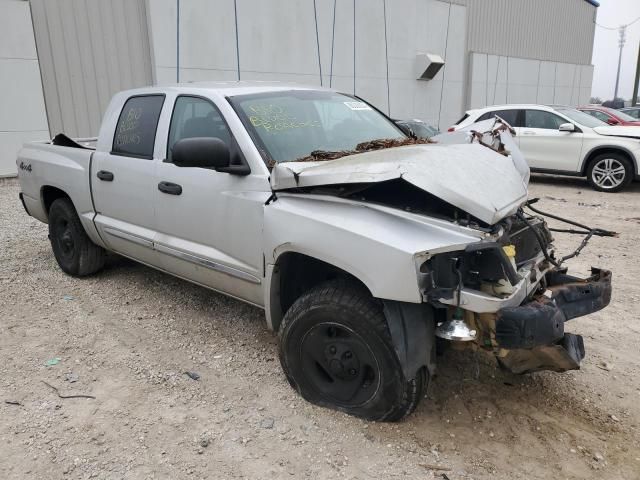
[599,115]
[136,128]
[635,113]
[509,116]
[196,117]
[542,119]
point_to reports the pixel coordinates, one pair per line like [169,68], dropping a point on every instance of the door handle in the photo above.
[528,132]
[170,188]
[105,176]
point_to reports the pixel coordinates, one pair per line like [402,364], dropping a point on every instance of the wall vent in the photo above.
[428,65]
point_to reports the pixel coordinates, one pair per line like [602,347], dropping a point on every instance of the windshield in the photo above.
[581,117]
[291,124]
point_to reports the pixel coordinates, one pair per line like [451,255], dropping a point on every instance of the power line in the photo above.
[616,28]
[446,44]
[315,18]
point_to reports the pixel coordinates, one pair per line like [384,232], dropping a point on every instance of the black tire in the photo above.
[610,172]
[76,254]
[336,351]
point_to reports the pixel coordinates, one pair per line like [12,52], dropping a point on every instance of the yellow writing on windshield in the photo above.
[274,118]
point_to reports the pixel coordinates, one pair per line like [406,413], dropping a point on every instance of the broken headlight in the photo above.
[477,266]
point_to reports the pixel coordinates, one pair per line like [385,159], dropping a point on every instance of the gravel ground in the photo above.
[127,335]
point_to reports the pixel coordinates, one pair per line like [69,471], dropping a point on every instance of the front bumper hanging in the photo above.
[531,337]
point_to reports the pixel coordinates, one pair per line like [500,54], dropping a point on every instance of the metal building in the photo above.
[494,51]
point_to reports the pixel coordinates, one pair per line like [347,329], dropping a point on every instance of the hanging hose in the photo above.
[587,231]
[598,232]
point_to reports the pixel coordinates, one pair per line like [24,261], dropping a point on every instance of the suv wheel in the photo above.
[336,351]
[610,172]
[76,254]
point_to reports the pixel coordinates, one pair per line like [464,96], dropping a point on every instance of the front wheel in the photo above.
[336,351]
[76,254]
[610,172]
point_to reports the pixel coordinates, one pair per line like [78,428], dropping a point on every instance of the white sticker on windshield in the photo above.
[357,105]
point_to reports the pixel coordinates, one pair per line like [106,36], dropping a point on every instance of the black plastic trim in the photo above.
[24,205]
[412,329]
[170,188]
[541,321]
[551,171]
[105,176]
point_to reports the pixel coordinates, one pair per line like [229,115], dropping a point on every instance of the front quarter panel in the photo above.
[377,245]
[594,142]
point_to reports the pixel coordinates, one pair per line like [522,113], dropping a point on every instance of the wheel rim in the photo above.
[339,364]
[608,173]
[63,236]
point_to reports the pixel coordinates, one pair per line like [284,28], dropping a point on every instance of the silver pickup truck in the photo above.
[361,242]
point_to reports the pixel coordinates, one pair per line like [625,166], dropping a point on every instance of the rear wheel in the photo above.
[336,351]
[610,172]
[76,254]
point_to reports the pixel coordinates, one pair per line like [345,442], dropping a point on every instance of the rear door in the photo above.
[544,146]
[123,180]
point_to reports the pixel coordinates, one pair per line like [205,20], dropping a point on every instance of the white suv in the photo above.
[562,140]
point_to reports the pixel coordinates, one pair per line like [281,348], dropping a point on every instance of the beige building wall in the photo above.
[89,50]
[22,110]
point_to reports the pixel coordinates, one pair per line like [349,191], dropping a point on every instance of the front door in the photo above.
[209,226]
[123,181]
[544,146]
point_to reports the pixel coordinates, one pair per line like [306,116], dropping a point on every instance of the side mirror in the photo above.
[567,127]
[201,152]
[613,121]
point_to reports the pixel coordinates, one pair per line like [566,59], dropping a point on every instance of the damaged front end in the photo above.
[509,295]
[531,337]
[506,292]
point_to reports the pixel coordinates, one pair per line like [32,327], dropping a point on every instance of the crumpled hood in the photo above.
[471,177]
[618,131]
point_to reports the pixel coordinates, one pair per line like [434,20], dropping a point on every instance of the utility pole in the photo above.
[178,44]
[622,31]
[634,100]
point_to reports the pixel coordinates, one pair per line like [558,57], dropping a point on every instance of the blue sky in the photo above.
[613,13]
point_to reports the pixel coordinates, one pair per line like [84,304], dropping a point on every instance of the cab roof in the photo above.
[230,88]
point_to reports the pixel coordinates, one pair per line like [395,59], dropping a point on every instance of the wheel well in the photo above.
[295,274]
[599,151]
[51,194]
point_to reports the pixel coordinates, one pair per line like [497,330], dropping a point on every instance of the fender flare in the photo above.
[412,327]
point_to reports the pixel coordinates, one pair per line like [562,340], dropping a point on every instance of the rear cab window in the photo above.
[135,133]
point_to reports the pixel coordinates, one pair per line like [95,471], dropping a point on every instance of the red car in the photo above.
[609,115]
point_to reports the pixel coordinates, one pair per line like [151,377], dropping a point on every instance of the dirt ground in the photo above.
[127,335]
